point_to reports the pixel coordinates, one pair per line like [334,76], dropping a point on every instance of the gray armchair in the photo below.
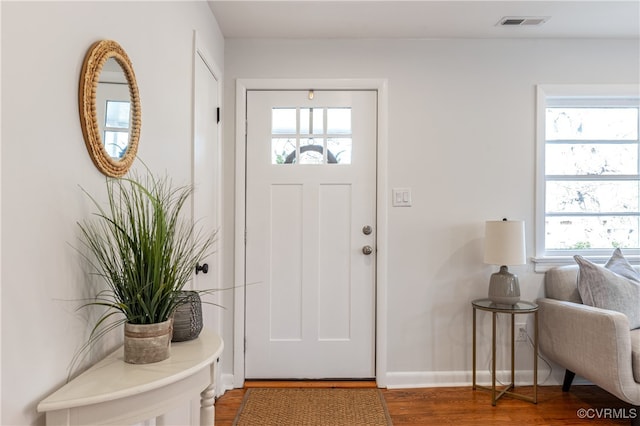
[593,343]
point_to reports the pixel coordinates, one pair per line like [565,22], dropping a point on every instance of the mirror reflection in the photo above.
[113,109]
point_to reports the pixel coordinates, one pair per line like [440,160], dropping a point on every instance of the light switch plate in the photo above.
[401,197]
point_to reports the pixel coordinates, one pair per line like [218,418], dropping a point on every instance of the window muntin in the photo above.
[591,175]
[311,136]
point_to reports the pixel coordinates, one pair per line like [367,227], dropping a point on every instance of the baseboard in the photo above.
[428,379]
[425,379]
[225,384]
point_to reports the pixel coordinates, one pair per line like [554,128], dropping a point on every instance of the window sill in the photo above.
[543,264]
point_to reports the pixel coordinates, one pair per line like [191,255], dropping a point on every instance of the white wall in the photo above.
[44,159]
[461,135]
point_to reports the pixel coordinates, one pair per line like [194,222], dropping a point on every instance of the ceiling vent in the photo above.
[521,21]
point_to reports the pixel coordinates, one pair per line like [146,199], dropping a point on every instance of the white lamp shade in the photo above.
[504,242]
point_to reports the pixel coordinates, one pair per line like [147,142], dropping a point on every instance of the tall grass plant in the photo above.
[143,247]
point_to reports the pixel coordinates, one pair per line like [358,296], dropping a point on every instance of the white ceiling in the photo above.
[425,18]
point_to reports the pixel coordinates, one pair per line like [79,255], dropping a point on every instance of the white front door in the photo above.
[310,222]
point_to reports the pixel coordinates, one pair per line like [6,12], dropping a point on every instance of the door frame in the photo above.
[242,86]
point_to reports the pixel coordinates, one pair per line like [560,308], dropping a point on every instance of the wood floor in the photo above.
[463,406]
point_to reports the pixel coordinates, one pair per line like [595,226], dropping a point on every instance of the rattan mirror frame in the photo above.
[97,55]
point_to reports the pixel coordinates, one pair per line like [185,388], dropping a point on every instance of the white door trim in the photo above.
[380,85]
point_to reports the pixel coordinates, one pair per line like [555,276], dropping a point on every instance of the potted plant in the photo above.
[145,251]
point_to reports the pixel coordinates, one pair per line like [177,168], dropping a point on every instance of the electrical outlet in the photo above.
[522,334]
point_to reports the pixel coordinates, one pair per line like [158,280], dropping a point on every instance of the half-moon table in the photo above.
[114,392]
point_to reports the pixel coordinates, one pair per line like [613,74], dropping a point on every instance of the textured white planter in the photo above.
[147,343]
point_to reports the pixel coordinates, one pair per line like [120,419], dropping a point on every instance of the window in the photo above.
[311,136]
[588,199]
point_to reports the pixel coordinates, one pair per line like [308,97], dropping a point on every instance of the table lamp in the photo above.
[504,245]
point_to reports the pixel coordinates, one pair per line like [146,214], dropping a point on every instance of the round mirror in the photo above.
[109,108]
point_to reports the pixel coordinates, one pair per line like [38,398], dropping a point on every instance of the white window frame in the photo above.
[545,260]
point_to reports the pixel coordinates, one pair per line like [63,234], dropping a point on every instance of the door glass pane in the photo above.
[312,151]
[283,150]
[283,121]
[339,149]
[339,120]
[304,121]
[311,121]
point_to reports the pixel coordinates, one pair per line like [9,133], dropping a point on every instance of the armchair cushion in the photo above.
[561,283]
[616,286]
[635,354]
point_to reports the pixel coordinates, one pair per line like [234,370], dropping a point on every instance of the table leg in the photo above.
[513,346]
[493,358]
[474,349]
[207,400]
[535,357]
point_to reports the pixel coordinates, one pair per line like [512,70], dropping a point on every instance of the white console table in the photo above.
[114,392]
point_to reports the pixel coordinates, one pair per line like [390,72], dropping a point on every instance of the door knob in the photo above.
[204,268]
[367,250]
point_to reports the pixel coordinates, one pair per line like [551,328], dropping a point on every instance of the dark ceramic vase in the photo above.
[187,318]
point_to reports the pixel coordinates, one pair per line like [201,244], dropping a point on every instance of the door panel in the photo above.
[310,300]
[334,243]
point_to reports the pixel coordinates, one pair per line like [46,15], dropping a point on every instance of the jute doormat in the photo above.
[312,406]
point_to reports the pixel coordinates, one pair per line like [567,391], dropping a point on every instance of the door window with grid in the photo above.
[311,135]
[589,171]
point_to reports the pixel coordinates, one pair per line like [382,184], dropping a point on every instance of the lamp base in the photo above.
[504,288]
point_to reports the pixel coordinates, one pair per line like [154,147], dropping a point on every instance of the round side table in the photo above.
[522,307]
